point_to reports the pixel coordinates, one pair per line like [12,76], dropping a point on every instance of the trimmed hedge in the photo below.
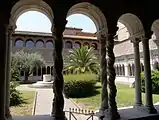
[155,82]
[15,96]
[79,85]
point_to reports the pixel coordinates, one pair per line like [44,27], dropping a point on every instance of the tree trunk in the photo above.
[26,76]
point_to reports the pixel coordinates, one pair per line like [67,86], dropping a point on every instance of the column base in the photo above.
[58,116]
[108,115]
[138,105]
[150,109]
[8,115]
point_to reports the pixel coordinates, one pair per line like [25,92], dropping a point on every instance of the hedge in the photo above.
[155,82]
[79,85]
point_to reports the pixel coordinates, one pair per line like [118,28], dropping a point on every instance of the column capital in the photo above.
[135,40]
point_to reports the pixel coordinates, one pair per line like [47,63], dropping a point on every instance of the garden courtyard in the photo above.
[125,98]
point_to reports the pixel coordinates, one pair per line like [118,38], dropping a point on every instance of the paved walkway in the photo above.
[44,102]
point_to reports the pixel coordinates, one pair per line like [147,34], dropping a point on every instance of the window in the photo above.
[49,44]
[29,43]
[94,45]
[68,45]
[86,44]
[39,44]
[77,45]
[19,43]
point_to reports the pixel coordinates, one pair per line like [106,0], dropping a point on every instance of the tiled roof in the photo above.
[126,47]
[50,35]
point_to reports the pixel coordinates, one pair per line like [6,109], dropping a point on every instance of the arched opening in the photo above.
[68,45]
[142,67]
[29,43]
[49,44]
[94,45]
[19,42]
[48,69]
[77,45]
[86,44]
[40,44]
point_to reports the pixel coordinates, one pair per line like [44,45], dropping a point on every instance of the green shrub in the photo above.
[15,95]
[155,82]
[80,85]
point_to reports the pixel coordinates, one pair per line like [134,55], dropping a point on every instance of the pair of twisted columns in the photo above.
[147,72]
[108,108]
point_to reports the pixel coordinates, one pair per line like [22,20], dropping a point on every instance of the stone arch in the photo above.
[23,6]
[77,44]
[86,44]
[19,42]
[94,45]
[49,44]
[123,69]
[155,29]
[39,43]
[133,24]
[68,45]
[48,70]
[31,42]
[142,67]
[93,12]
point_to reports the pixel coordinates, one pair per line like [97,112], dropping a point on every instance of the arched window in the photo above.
[156,65]
[123,70]
[49,44]
[39,71]
[43,70]
[94,45]
[48,70]
[29,43]
[117,68]
[130,71]
[35,71]
[120,69]
[86,44]
[77,45]
[142,67]
[133,70]
[68,45]
[52,70]
[19,43]
[39,44]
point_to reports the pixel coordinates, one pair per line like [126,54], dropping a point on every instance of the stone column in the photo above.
[138,100]
[103,71]
[3,30]
[126,70]
[7,70]
[58,100]
[148,81]
[111,79]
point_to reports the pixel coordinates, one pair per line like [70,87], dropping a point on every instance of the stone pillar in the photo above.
[111,79]
[3,30]
[126,70]
[148,81]
[103,71]
[7,70]
[58,100]
[138,99]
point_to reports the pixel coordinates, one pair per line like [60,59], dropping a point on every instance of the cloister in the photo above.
[135,15]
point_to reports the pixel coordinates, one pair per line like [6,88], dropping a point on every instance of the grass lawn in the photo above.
[125,97]
[24,109]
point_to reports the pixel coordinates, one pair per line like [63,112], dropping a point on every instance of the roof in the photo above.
[126,47]
[50,35]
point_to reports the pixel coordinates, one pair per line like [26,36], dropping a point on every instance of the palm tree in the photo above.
[82,60]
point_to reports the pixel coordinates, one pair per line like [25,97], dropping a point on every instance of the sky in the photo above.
[37,22]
